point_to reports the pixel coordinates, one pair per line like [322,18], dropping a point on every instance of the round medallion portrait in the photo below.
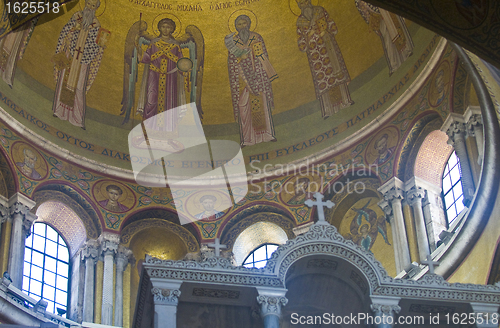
[113,196]
[29,161]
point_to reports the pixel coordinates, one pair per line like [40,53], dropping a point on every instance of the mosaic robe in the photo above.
[252,95]
[330,75]
[12,48]
[163,87]
[80,47]
[393,33]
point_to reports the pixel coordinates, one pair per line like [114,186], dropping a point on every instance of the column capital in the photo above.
[109,243]
[166,296]
[123,256]
[271,305]
[20,204]
[451,120]
[90,250]
[29,218]
[455,131]
[385,305]
[415,195]
[393,189]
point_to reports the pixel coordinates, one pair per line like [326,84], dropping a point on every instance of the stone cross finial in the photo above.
[217,246]
[319,203]
[430,263]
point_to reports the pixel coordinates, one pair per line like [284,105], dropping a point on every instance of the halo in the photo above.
[103,6]
[234,15]
[157,19]
[218,199]
[294,8]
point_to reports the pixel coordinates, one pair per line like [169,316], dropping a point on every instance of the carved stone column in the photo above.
[414,197]
[456,134]
[122,258]
[486,315]
[475,129]
[166,298]
[271,300]
[393,194]
[385,310]
[109,246]
[89,255]
[19,206]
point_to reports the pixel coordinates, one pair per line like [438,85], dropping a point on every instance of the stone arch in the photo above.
[74,201]
[420,129]
[132,229]
[248,216]
[432,157]
[64,220]
[161,214]
[324,240]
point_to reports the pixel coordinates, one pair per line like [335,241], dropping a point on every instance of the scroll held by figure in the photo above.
[316,37]
[169,80]
[79,51]
[250,77]
[393,33]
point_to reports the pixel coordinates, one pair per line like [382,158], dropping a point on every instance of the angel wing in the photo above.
[194,41]
[136,37]
[382,229]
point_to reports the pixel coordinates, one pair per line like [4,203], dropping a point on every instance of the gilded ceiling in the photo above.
[293,85]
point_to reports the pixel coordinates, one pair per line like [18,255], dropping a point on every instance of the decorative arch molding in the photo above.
[8,184]
[91,223]
[133,228]
[412,143]
[251,215]
[324,239]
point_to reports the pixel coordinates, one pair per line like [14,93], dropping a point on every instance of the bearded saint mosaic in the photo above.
[250,77]
[79,51]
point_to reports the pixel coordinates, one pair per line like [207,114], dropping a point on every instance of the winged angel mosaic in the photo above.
[172,76]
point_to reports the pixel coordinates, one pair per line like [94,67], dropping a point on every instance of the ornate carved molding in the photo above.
[166,296]
[321,240]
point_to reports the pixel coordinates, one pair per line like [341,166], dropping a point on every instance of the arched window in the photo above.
[258,257]
[452,188]
[46,267]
